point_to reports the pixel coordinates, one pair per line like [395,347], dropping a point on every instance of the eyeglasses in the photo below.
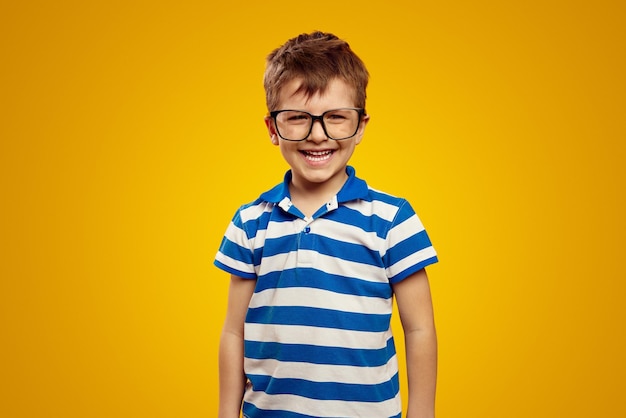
[338,124]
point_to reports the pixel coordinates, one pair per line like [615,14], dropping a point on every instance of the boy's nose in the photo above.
[317,132]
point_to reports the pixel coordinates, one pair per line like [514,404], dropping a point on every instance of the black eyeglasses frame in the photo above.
[275,113]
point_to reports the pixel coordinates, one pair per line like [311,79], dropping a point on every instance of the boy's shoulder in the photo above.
[254,209]
[358,188]
[386,197]
[381,206]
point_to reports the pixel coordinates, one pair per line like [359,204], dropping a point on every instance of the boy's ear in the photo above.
[364,121]
[271,129]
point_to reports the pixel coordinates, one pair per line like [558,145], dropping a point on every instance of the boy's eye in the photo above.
[296,117]
[336,117]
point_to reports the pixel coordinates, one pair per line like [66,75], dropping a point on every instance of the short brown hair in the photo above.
[316,58]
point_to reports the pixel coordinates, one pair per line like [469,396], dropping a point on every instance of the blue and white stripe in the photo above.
[317,335]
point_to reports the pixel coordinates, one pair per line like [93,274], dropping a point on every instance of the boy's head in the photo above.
[315,59]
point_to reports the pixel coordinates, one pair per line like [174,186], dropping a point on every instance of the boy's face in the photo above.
[317,160]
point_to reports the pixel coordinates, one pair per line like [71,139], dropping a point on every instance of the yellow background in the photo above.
[131,131]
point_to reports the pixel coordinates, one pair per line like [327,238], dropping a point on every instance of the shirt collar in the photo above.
[354,188]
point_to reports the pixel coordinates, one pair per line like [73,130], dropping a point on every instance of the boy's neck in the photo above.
[309,197]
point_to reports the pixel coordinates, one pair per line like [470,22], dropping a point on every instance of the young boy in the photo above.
[316,261]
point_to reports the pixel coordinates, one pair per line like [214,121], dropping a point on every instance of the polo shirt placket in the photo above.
[306,249]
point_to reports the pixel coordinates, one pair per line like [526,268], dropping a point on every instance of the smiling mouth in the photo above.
[317,156]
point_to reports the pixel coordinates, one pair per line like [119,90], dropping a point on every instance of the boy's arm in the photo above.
[416,314]
[231,376]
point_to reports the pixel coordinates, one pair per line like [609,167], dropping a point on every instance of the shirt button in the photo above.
[307,229]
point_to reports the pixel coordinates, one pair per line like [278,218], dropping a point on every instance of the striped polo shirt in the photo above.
[317,336]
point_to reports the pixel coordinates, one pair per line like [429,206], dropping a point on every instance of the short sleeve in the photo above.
[235,254]
[408,247]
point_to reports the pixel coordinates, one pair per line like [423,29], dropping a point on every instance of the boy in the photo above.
[316,261]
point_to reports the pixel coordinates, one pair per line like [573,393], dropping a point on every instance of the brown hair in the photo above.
[316,58]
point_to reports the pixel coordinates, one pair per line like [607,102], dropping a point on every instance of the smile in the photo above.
[317,156]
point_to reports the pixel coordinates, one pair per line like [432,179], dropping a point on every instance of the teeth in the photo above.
[318,155]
